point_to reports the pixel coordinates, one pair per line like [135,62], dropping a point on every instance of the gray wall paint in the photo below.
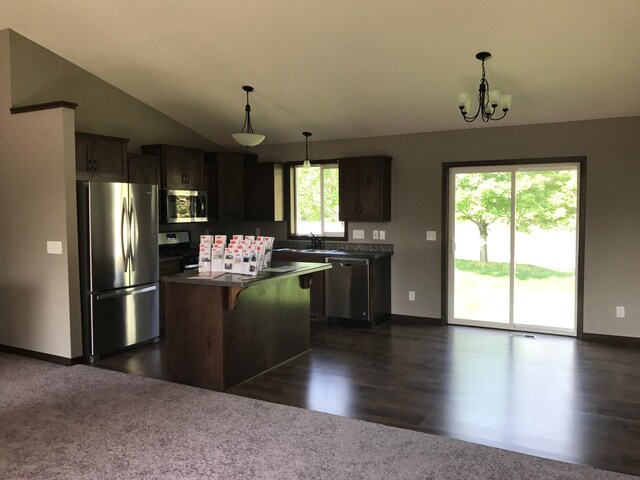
[612,240]
[39,293]
[40,76]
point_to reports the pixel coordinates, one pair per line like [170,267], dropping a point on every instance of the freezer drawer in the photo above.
[347,288]
[123,317]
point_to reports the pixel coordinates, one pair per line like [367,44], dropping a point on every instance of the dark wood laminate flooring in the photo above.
[551,396]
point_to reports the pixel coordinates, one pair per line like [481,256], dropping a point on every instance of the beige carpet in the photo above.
[85,422]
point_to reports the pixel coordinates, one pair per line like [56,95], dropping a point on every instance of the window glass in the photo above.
[316,201]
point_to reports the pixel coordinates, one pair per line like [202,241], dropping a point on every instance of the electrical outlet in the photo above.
[54,248]
[412,296]
[375,234]
[382,234]
[358,234]
[620,312]
[431,235]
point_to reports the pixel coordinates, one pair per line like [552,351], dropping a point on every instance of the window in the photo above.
[315,201]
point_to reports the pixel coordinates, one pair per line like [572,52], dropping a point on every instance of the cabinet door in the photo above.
[193,167]
[230,186]
[370,185]
[263,192]
[349,183]
[109,160]
[174,173]
[84,167]
[144,169]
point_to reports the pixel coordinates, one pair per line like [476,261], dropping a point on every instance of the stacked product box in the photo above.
[244,254]
[204,258]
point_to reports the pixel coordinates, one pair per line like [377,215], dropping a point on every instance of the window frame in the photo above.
[290,197]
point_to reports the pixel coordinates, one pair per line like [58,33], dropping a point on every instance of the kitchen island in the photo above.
[222,329]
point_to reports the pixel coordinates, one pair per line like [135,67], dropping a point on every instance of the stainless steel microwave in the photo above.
[184,206]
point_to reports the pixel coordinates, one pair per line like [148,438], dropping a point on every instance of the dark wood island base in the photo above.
[222,331]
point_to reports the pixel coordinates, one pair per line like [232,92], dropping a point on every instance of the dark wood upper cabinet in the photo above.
[99,157]
[145,169]
[182,168]
[228,171]
[365,188]
[263,192]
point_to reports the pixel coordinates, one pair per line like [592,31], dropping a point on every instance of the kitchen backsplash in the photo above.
[329,245]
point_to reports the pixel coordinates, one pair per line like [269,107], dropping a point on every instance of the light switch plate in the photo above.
[431,235]
[54,247]
[375,235]
[382,235]
[358,234]
[620,312]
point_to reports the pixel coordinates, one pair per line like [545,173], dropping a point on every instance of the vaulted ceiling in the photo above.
[347,68]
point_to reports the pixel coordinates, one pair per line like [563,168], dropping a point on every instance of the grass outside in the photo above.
[542,297]
[501,269]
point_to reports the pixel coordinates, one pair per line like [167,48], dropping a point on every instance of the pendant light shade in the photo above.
[307,163]
[248,138]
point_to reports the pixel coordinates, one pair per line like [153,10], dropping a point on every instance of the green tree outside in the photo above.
[544,200]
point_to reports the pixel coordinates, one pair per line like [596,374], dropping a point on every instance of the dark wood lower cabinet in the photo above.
[317,310]
[218,337]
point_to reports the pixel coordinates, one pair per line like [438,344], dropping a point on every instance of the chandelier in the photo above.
[488,100]
[248,138]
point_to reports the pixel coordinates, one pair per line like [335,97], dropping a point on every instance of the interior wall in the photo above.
[612,238]
[39,292]
[39,76]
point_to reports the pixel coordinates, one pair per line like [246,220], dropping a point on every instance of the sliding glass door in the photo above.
[513,248]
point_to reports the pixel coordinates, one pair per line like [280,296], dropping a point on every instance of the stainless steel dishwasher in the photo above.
[347,288]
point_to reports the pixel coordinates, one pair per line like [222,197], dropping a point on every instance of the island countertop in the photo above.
[278,270]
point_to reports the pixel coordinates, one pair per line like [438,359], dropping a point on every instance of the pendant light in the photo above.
[248,138]
[307,163]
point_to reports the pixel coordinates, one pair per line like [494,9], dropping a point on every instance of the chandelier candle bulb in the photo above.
[462,99]
[494,98]
[505,102]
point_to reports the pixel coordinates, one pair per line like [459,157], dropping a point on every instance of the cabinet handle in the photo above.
[95,165]
[188,178]
[89,166]
[183,179]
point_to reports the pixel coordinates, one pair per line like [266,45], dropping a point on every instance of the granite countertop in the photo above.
[323,253]
[234,280]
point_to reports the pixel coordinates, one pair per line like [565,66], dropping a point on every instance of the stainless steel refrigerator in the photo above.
[118,241]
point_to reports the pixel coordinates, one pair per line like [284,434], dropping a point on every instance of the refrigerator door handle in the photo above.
[124,238]
[133,234]
[126,291]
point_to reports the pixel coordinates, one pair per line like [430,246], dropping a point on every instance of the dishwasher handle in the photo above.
[347,262]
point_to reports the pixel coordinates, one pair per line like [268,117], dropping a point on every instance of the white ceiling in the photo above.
[347,68]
